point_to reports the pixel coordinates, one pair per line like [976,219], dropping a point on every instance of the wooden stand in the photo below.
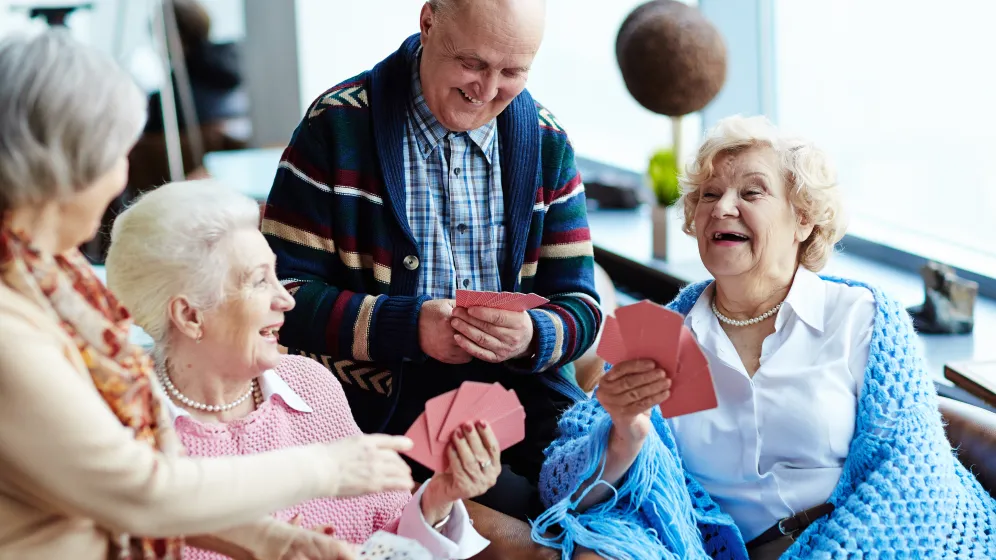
[658,218]
[658,212]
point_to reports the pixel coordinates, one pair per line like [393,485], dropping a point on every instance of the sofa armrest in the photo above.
[972,432]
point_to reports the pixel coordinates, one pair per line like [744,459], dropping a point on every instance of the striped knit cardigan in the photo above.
[336,220]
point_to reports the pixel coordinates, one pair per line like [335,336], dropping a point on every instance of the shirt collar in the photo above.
[700,315]
[428,130]
[270,384]
[806,298]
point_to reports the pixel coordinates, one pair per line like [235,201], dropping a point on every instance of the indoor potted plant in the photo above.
[663,175]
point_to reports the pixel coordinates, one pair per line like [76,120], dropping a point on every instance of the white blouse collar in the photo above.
[806,299]
[269,384]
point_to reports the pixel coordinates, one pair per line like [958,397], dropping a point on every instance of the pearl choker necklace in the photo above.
[177,395]
[745,322]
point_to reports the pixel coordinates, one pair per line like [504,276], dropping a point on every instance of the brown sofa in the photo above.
[971,430]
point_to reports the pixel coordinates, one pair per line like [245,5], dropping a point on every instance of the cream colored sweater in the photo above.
[71,475]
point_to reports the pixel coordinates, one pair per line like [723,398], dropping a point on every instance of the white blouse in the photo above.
[776,443]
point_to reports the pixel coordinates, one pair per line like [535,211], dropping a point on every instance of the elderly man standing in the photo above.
[437,171]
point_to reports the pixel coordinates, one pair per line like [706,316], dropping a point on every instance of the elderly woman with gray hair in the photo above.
[826,439]
[189,261]
[89,467]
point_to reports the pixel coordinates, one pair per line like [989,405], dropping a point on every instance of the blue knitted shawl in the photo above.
[902,493]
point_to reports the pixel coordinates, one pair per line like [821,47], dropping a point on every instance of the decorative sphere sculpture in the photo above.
[672,59]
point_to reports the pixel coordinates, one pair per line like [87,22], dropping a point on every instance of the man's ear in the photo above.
[426,20]
[186,319]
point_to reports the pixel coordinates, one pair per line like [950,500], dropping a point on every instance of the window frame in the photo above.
[748,27]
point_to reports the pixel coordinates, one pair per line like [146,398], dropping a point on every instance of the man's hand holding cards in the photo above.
[494,326]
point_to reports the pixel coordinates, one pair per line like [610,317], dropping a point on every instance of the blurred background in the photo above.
[898,92]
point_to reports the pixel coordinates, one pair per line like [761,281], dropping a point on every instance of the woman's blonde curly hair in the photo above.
[810,179]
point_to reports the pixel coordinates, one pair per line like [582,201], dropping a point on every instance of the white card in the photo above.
[388,546]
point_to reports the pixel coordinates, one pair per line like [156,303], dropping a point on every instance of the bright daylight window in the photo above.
[903,96]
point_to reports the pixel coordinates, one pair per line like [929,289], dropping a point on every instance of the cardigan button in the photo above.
[411,262]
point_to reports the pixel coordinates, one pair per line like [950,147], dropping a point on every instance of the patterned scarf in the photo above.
[67,289]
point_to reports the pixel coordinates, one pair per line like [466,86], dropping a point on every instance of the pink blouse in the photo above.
[304,403]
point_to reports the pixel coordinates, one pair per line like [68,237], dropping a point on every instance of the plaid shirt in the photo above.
[454,204]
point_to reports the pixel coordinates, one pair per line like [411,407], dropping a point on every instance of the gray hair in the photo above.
[810,178]
[170,243]
[67,114]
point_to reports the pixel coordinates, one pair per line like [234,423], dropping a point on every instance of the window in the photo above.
[902,97]
[574,74]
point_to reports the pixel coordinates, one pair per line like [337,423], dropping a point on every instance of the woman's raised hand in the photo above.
[368,464]
[628,392]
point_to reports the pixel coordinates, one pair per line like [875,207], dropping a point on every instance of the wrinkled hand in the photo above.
[436,334]
[628,392]
[369,464]
[311,545]
[493,335]
[474,465]
[327,530]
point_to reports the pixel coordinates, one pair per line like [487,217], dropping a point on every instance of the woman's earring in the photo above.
[198,340]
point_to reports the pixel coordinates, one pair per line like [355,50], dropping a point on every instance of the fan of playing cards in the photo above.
[646,330]
[509,301]
[473,401]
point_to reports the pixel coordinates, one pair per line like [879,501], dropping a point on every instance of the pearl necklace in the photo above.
[745,322]
[177,395]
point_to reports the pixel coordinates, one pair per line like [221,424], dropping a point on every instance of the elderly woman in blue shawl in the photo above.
[827,439]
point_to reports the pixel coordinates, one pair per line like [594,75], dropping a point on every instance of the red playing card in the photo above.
[509,301]
[651,331]
[510,429]
[519,302]
[467,397]
[496,404]
[471,298]
[611,346]
[692,389]
[421,452]
[436,410]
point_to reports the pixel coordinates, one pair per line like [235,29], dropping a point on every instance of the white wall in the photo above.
[575,73]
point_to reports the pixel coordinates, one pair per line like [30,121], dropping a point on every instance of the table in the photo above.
[978,378]
[250,172]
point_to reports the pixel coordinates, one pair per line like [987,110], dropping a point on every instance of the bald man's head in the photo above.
[446,8]
[476,56]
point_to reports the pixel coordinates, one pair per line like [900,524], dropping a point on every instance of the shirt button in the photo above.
[411,262]
[466,282]
[456,171]
[462,228]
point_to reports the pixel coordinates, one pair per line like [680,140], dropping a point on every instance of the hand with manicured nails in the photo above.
[474,465]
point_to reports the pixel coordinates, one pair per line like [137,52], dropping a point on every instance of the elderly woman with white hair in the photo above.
[826,439]
[89,468]
[190,263]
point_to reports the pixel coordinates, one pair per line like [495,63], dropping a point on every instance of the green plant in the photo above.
[663,172]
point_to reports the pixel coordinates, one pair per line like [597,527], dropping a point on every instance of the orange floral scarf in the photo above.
[69,291]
